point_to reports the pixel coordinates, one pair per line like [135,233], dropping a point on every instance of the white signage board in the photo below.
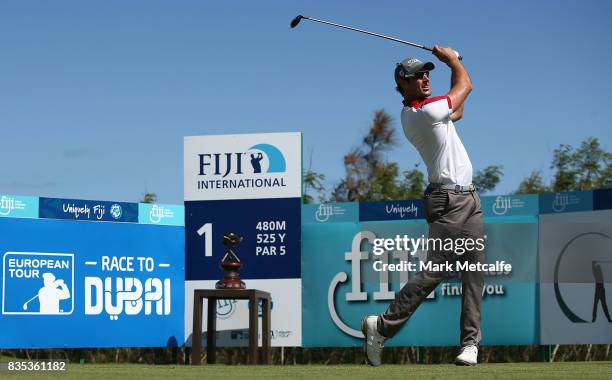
[248,166]
[576,277]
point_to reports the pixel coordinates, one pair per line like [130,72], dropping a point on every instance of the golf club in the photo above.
[299,18]
[25,305]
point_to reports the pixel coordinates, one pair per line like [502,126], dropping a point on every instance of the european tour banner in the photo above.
[74,283]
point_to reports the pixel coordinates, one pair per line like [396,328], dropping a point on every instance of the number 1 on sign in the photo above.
[206,232]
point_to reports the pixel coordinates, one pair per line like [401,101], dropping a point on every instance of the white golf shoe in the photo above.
[467,356]
[373,342]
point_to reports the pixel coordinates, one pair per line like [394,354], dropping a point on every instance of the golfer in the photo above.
[452,206]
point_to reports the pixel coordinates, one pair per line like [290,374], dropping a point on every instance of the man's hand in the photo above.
[445,54]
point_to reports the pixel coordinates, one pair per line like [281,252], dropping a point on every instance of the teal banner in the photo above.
[330,213]
[18,206]
[555,203]
[340,283]
[166,215]
[510,205]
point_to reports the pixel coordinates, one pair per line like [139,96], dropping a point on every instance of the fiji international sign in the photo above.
[249,185]
[242,166]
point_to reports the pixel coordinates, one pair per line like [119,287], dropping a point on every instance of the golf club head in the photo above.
[296,21]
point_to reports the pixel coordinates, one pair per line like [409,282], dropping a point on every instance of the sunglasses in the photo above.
[421,74]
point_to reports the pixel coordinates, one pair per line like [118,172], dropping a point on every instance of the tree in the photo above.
[414,183]
[565,175]
[149,198]
[368,175]
[588,167]
[592,165]
[533,184]
[313,180]
[486,179]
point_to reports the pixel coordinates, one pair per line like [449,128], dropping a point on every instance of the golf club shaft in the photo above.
[374,34]
[370,33]
[25,305]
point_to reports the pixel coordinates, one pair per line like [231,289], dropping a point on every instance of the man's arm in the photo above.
[461,84]
[457,113]
[64,292]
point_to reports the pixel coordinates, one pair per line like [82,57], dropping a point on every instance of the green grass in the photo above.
[574,371]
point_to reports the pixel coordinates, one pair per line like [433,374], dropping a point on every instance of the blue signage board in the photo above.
[554,203]
[271,232]
[509,205]
[330,212]
[96,211]
[391,210]
[602,199]
[341,285]
[168,215]
[18,206]
[71,284]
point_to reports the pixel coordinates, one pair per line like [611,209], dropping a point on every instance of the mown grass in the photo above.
[573,370]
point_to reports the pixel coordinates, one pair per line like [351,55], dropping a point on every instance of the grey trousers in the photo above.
[449,215]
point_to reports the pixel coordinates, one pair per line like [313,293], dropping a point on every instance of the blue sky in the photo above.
[95,97]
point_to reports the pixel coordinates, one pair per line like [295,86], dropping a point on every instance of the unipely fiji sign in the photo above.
[267,165]
[97,211]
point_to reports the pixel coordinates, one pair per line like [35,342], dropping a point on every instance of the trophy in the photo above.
[230,263]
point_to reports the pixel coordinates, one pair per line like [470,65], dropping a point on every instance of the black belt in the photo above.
[456,188]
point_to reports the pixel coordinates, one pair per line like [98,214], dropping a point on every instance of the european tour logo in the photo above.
[236,170]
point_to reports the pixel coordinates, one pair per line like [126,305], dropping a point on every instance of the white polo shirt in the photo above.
[428,126]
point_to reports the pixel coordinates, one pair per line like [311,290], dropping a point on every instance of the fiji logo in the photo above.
[116,211]
[358,293]
[8,204]
[158,213]
[561,201]
[226,308]
[503,204]
[254,160]
[325,211]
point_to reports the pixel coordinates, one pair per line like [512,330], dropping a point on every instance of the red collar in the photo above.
[414,103]
[420,103]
